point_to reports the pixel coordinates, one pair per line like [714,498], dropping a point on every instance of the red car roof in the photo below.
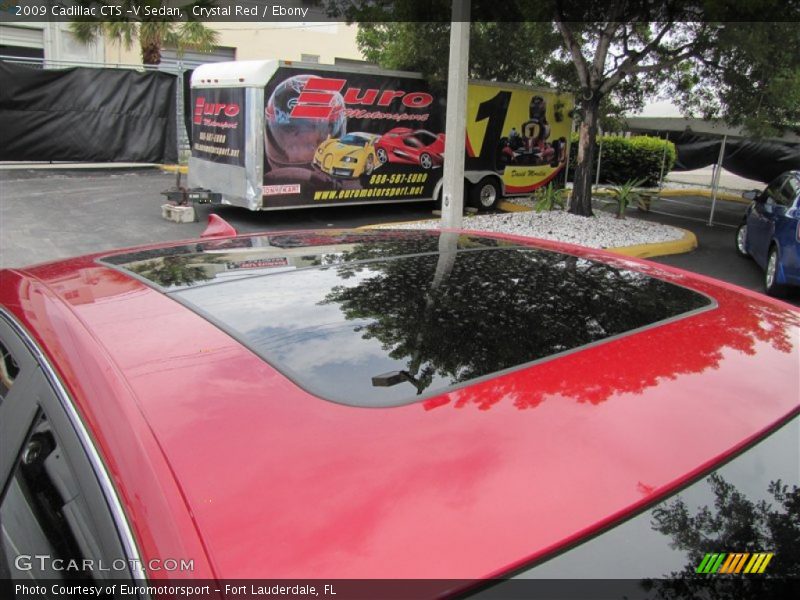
[217,454]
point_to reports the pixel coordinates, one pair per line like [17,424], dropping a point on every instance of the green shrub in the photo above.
[625,159]
[549,198]
[624,194]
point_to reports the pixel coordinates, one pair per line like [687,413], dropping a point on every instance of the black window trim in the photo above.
[98,467]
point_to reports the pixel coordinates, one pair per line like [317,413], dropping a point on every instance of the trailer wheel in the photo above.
[382,156]
[425,161]
[485,195]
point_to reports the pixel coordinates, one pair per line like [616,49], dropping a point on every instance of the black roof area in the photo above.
[386,318]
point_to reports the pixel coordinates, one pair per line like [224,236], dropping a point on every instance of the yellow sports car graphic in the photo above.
[352,155]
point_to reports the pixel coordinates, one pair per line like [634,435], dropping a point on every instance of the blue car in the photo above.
[770,232]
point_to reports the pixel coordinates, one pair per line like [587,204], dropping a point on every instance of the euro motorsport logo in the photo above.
[734,563]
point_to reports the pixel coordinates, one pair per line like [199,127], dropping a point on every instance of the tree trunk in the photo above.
[581,201]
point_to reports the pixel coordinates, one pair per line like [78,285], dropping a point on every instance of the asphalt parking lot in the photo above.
[715,255]
[51,214]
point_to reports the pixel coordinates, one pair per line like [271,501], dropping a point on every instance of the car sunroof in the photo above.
[387,323]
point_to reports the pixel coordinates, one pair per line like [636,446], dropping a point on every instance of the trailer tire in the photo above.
[485,195]
[437,200]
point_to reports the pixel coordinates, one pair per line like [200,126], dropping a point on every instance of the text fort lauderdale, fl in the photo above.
[267,11]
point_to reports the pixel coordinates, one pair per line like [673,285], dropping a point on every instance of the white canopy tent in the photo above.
[664,117]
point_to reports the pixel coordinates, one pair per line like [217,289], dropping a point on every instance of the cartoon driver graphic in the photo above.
[290,142]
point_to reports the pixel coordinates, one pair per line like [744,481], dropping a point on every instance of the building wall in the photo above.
[287,41]
[319,42]
[53,40]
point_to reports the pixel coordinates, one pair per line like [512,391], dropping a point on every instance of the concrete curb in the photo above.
[392,224]
[74,166]
[686,244]
[679,193]
[506,206]
[704,193]
[184,169]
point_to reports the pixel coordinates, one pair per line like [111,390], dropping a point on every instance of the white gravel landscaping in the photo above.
[601,231]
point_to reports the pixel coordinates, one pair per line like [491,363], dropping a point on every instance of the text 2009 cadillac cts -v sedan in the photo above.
[448,407]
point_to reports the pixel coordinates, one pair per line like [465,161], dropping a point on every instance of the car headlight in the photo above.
[349,159]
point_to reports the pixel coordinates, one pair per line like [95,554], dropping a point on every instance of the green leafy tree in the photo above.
[723,69]
[172,271]
[719,59]
[153,32]
[499,51]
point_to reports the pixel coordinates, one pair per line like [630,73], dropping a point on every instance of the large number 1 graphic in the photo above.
[495,110]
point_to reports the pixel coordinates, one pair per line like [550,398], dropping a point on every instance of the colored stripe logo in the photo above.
[734,563]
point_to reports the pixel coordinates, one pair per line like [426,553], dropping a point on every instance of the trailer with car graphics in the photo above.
[272,135]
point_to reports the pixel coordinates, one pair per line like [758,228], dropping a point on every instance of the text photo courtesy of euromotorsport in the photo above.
[330,136]
[137,590]
[110,590]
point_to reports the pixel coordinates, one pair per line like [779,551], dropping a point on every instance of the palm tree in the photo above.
[153,33]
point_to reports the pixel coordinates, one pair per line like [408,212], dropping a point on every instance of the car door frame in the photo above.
[761,221]
[786,225]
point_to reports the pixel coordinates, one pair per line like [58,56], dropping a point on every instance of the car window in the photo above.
[745,506]
[55,521]
[390,321]
[18,372]
[354,140]
[426,137]
[412,142]
[773,192]
[395,331]
[41,512]
[8,371]
[790,191]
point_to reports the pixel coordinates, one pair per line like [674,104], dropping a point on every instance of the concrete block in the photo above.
[178,214]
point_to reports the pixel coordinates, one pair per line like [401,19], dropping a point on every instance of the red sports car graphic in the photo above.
[411,147]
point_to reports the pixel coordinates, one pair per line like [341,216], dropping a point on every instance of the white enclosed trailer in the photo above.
[271,135]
